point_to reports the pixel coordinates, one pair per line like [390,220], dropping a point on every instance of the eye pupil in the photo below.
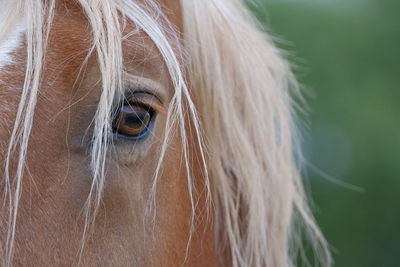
[132,121]
[136,119]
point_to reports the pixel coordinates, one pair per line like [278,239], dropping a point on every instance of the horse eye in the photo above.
[133,121]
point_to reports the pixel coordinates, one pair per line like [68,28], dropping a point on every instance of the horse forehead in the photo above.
[173,9]
[70,18]
[13,39]
[70,37]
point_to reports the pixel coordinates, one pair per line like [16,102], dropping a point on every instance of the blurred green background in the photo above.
[347,56]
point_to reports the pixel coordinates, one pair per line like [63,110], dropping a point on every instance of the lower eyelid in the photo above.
[130,151]
[124,152]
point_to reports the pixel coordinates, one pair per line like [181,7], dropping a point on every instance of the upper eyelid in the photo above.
[138,84]
[140,94]
[146,98]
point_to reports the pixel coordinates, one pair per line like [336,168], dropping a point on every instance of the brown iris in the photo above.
[132,120]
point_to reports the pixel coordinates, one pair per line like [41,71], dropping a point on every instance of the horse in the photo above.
[148,133]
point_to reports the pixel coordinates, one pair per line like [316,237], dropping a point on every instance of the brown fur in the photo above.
[57,180]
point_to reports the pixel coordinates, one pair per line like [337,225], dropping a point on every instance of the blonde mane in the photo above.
[245,130]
